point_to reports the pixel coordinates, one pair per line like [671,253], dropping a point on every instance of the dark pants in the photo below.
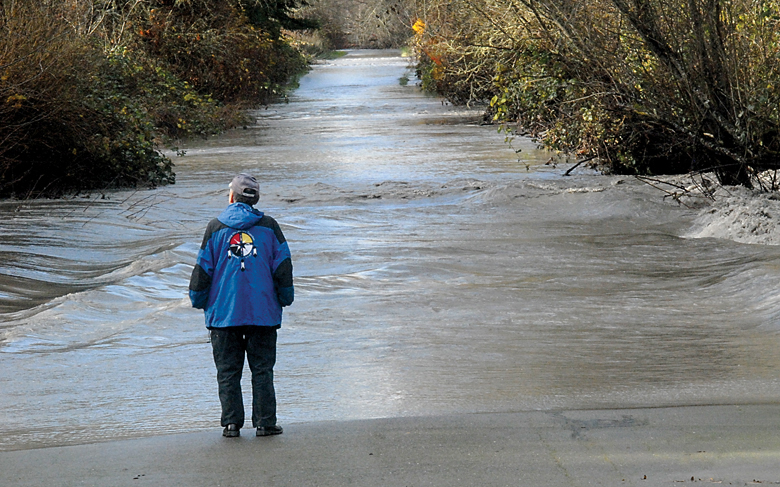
[259,344]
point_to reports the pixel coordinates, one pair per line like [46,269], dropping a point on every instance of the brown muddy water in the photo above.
[435,274]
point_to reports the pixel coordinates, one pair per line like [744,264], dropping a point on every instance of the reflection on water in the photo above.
[434,274]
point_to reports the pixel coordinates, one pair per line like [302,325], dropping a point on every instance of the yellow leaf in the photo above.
[15,98]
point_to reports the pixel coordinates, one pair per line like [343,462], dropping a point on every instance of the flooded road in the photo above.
[435,273]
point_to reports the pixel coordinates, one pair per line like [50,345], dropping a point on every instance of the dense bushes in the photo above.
[90,89]
[648,86]
[214,46]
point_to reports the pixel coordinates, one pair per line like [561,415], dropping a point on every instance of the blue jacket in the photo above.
[243,275]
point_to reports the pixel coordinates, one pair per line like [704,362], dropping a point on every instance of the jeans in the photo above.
[259,344]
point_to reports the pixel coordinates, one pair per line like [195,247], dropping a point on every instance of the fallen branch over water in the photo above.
[578,164]
[699,189]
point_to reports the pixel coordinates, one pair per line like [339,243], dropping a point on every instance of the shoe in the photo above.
[231,431]
[269,430]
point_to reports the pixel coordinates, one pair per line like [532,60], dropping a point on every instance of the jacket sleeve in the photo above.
[200,286]
[283,270]
[202,273]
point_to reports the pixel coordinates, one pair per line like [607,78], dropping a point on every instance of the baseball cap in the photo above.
[245,185]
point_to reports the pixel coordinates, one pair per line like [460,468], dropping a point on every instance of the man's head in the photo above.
[244,189]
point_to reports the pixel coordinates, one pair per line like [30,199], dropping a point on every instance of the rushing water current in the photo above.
[435,273]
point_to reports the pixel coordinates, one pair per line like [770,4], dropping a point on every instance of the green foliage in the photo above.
[215,48]
[64,124]
[332,54]
[90,90]
[649,86]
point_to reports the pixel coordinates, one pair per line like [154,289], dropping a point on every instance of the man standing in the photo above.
[242,279]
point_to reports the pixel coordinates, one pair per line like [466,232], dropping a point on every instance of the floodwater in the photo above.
[437,271]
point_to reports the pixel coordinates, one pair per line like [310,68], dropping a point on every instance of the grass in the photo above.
[331,55]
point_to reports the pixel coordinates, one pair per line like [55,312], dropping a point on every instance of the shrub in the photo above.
[214,47]
[648,86]
[89,90]
[60,129]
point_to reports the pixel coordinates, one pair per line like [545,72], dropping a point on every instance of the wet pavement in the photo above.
[674,447]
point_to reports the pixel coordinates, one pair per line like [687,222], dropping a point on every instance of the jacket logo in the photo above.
[242,245]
